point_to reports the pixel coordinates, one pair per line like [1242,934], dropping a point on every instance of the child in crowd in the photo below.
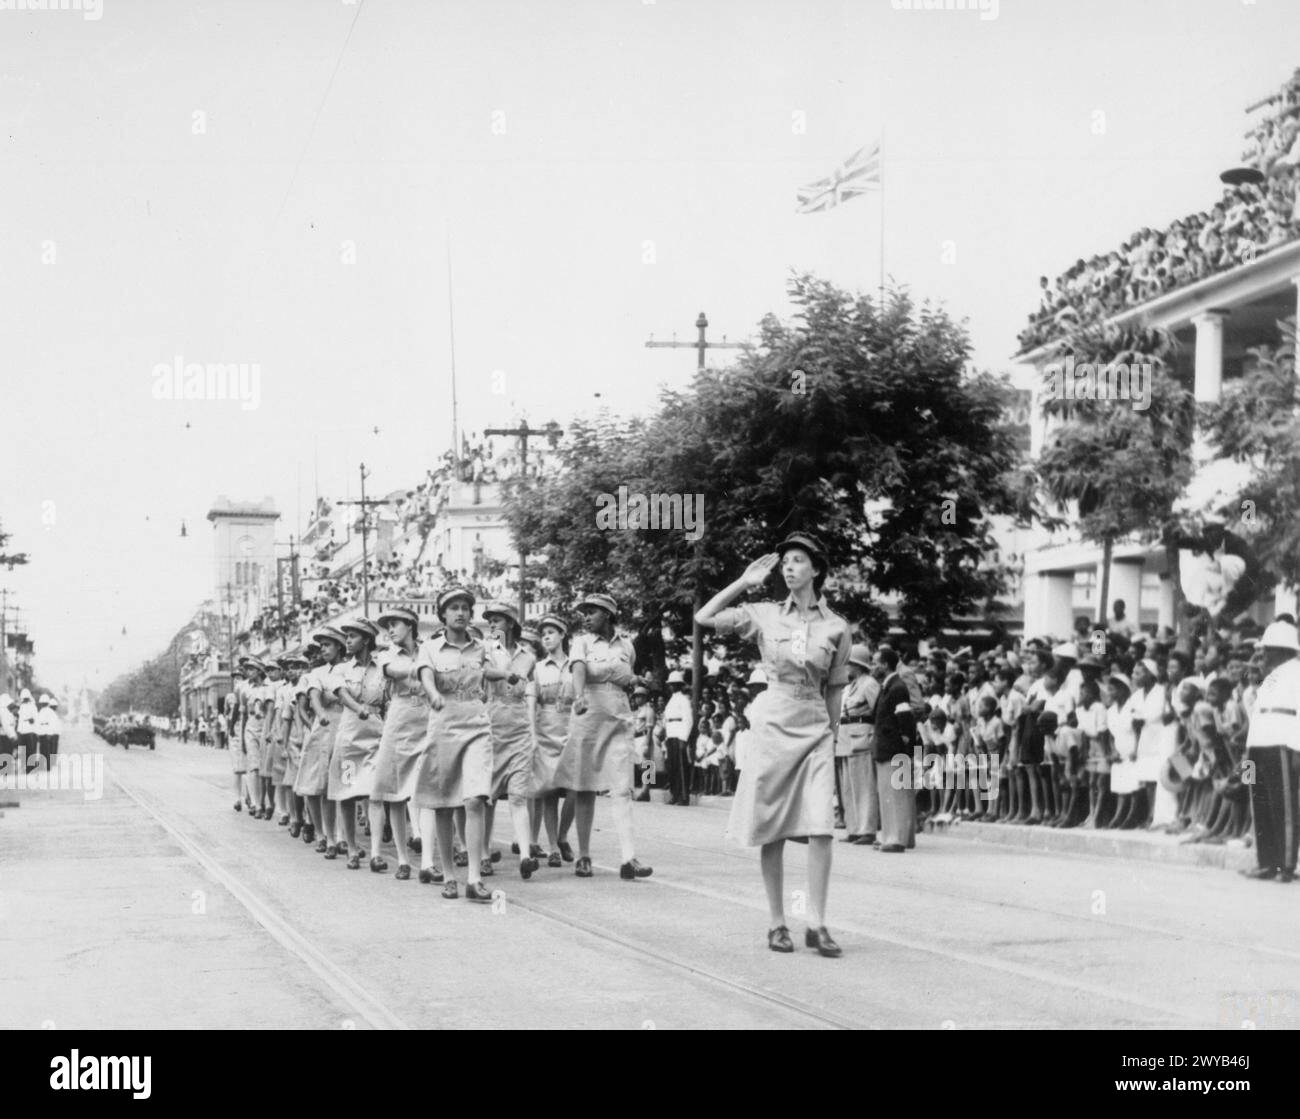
[1095,748]
[990,736]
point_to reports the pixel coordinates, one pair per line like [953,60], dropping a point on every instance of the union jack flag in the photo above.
[858,174]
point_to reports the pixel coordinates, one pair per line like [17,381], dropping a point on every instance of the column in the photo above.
[1049,604]
[1209,355]
[1166,606]
[1126,583]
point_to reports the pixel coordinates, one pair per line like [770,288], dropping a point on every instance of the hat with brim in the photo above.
[1119,677]
[399,614]
[329,633]
[860,655]
[676,677]
[805,541]
[1280,635]
[1090,661]
[555,621]
[43,701]
[527,633]
[361,625]
[604,601]
[451,594]
[501,610]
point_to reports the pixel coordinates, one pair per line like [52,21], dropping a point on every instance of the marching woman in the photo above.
[360,689]
[303,719]
[552,689]
[234,733]
[457,767]
[510,718]
[787,785]
[318,746]
[598,755]
[402,743]
[291,735]
[273,744]
[254,727]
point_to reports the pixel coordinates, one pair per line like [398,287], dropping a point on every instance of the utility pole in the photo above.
[5,685]
[522,432]
[700,345]
[365,504]
[280,562]
[697,600]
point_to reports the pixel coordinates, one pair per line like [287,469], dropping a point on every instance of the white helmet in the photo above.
[758,676]
[675,677]
[1281,635]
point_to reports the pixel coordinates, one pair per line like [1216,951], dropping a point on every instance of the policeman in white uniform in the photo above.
[1273,746]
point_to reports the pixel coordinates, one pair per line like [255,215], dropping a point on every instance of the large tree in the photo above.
[866,428]
[1257,421]
[1123,466]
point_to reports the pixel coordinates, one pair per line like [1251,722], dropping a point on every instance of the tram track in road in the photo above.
[974,899]
[371,1009]
[366,1006]
[954,956]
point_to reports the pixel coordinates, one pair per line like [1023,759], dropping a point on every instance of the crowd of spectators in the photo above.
[1116,728]
[1247,221]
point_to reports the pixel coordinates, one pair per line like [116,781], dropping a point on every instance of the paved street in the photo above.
[157,905]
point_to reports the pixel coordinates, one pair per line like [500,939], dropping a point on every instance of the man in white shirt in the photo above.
[677,730]
[1273,749]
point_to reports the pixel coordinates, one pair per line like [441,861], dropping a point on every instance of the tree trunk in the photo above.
[1172,569]
[697,658]
[1103,596]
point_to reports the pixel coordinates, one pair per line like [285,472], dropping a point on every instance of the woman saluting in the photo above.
[787,785]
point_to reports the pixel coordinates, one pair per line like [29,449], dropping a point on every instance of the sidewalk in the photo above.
[1146,846]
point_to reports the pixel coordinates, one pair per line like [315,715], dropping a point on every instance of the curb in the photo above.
[1106,844]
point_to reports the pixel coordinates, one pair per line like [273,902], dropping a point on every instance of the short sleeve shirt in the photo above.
[607,661]
[457,669]
[552,682]
[812,650]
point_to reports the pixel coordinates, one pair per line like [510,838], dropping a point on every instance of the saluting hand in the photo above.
[757,572]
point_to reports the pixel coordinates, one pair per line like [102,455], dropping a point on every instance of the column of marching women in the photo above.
[415,741]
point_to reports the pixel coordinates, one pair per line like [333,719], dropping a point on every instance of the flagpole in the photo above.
[882,217]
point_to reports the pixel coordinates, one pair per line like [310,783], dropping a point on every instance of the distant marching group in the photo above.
[445,727]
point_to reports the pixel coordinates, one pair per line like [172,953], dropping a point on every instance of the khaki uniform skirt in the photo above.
[598,754]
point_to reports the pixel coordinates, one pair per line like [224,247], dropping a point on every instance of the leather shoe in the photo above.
[378,865]
[893,848]
[461,857]
[865,841]
[778,939]
[1286,876]
[403,872]
[485,868]
[634,869]
[476,891]
[566,852]
[354,863]
[431,877]
[821,940]
[526,867]
[850,839]
[1261,872]
[451,891]
[582,868]
[554,859]
[321,847]
[331,852]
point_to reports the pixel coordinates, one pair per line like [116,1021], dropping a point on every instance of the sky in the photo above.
[290,183]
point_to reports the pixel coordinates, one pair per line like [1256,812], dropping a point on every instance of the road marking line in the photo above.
[366,1005]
